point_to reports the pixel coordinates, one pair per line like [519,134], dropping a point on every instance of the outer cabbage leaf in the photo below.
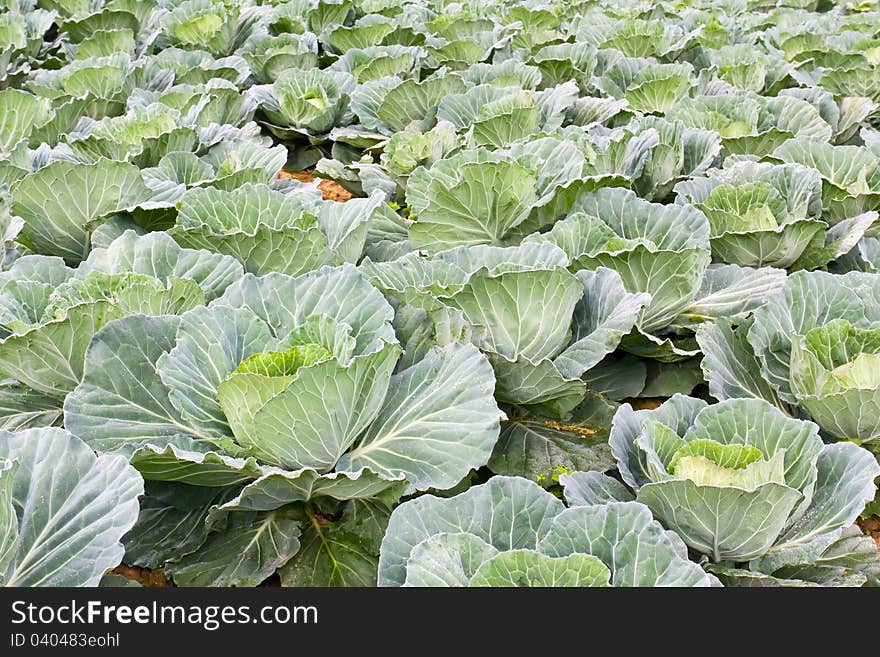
[71,509]
[63,202]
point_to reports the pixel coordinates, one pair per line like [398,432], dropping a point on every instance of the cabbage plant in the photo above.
[199,67]
[811,350]
[647,85]
[542,327]
[459,42]
[496,116]
[546,332]
[305,102]
[509,532]
[560,62]
[62,202]
[740,482]
[480,196]
[750,124]
[22,112]
[270,56]
[664,251]
[94,87]
[748,68]
[216,27]
[21,38]
[388,105]
[375,62]
[286,389]
[850,175]
[770,215]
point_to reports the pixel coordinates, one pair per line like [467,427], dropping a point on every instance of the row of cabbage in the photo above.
[560,208]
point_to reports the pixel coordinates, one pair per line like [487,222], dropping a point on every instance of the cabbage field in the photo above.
[428,293]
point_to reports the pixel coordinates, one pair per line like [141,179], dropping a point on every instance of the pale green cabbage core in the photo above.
[710,463]
[317,99]
[851,355]
[735,129]
[862,372]
[283,363]
[750,207]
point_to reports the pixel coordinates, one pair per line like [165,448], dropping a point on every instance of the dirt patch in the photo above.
[871,526]
[332,191]
[645,403]
[143,576]
[302,176]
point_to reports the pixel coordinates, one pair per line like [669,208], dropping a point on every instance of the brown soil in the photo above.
[332,191]
[871,526]
[646,403]
[143,576]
